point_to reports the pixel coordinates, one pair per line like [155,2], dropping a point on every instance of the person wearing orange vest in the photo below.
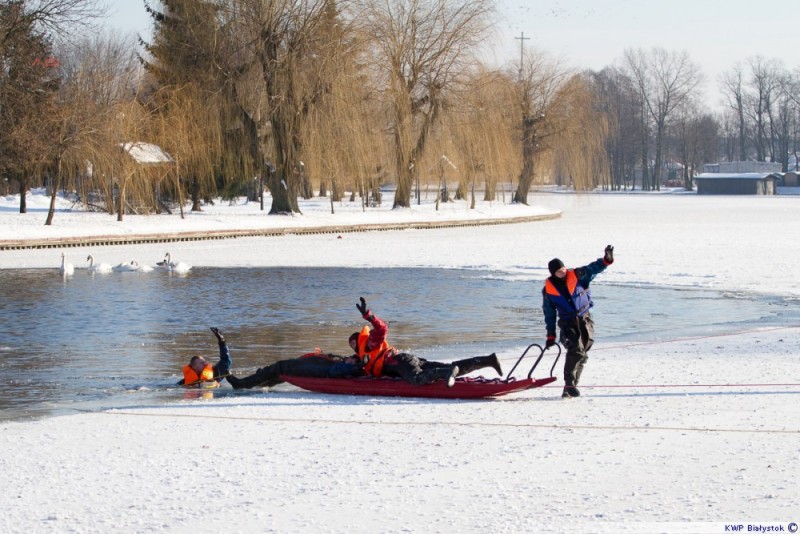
[201,373]
[382,359]
[566,297]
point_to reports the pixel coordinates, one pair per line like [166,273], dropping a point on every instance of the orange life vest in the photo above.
[373,360]
[191,377]
[571,280]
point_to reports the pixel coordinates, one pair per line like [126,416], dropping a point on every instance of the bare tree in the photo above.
[732,86]
[619,102]
[420,50]
[665,80]
[696,138]
[28,87]
[764,83]
[29,79]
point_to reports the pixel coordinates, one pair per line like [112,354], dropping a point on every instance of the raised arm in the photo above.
[379,328]
[222,367]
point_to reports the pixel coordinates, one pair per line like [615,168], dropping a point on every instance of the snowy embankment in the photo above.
[289,461]
[691,435]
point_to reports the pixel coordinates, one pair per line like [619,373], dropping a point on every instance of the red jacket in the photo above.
[372,346]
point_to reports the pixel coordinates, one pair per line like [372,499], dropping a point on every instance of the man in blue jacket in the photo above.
[566,297]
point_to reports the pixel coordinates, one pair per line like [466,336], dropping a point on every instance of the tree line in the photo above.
[305,97]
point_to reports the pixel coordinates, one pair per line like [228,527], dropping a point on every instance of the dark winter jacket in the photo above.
[570,297]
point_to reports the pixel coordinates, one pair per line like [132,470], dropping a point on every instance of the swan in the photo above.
[99,268]
[168,265]
[66,267]
[127,267]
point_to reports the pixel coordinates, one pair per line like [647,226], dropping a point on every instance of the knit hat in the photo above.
[353,337]
[554,265]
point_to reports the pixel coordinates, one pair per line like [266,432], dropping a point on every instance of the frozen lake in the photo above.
[95,341]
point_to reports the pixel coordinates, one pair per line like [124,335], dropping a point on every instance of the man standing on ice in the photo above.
[566,296]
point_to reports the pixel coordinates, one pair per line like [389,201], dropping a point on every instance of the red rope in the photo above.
[682,386]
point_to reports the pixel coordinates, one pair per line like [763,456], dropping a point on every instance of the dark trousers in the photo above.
[577,336]
[270,376]
[416,370]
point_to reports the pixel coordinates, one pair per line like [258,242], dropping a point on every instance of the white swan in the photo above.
[66,267]
[168,265]
[127,267]
[99,268]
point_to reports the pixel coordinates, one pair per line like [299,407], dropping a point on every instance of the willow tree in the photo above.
[578,145]
[482,123]
[540,79]
[420,50]
[341,146]
[93,113]
[283,39]
[191,94]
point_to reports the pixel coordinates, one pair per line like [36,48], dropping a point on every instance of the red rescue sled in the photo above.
[464,388]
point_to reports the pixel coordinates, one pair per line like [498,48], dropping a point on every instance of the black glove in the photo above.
[362,307]
[551,340]
[220,337]
[608,257]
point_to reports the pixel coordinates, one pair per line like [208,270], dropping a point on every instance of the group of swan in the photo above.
[67,269]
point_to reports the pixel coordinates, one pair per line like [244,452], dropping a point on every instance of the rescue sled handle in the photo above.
[536,363]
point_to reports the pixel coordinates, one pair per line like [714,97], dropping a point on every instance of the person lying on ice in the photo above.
[381,359]
[566,295]
[201,373]
[315,365]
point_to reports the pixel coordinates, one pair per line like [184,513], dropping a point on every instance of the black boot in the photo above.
[479,362]
[264,377]
[570,391]
[235,382]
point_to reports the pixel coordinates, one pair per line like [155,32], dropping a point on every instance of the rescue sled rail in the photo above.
[536,363]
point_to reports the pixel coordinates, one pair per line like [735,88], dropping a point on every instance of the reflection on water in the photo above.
[114,339]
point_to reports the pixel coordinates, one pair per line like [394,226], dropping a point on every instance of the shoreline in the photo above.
[166,237]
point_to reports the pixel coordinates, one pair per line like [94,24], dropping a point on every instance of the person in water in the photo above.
[381,359]
[199,372]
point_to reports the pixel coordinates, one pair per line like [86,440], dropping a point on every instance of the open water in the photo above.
[94,341]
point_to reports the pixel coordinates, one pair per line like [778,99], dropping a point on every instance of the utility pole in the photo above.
[522,40]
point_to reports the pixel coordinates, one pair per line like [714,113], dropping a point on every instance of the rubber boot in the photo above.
[264,377]
[570,391]
[479,362]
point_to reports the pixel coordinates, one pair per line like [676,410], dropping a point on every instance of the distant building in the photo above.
[734,167]
[746,183]
[790,179]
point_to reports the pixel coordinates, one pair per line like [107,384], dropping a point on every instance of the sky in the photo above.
[594,33]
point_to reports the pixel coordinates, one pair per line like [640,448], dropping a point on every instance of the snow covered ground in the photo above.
[686,436]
